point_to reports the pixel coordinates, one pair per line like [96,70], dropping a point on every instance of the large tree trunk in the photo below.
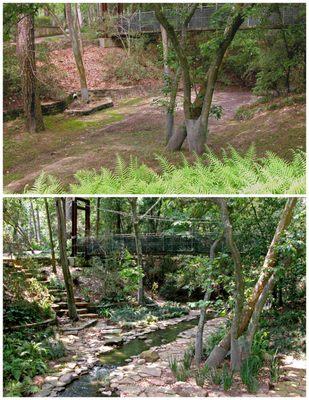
[26,55]
[51,240]
[74,30]
[218,354]
[135,222]
[62,240]
[197,125]
[239,286]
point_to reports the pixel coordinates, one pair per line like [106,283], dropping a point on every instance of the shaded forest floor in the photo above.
[135,127]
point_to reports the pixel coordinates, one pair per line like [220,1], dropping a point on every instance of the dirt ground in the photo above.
[135,127]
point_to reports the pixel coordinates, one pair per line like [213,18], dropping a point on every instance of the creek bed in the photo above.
[88,385]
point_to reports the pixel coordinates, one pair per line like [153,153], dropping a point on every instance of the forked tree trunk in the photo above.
[74,30]
[26,54]
[51,239]
[219,352]
[62,240]
[197,125]
[138,245]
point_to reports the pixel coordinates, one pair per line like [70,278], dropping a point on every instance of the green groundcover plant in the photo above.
[231,174]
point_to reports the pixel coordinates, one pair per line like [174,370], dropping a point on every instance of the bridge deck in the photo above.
[146,22]
[151,244]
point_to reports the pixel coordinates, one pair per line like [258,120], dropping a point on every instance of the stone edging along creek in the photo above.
[98,350]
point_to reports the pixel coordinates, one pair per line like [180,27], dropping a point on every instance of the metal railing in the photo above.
[146,22]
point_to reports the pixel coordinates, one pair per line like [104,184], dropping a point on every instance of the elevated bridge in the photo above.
[202,20]
[152,244]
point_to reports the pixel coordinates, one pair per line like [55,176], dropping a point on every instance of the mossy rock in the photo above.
[150,355]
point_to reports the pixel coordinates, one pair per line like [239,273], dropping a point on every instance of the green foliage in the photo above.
[233,173]
[146,314]
[215,375]
[130,273]
[227,378]
[248,375]
[56,283]
[24,312]
[25,355]
[274,368]
[179,369]
[200,377]
[213,340]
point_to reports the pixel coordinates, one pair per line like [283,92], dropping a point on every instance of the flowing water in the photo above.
[88,385]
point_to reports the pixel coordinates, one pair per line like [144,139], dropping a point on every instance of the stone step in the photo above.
[81,303]
[88,316]
[58,292]
[77,304]
[82,311]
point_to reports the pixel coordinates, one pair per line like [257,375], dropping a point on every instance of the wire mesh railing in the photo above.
[146,22]
[152,244]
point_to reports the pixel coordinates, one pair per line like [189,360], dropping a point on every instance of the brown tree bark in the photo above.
[218,354]
[97,223]
[26,54]
[62,240]
[196,118]
[201,324]
[239,285]
[135,222]
[74,30]
[51,240]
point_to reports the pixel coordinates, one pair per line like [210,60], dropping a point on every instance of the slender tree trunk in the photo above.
[239,286]
[79,15]
[97,225]
[26,55]
[218,354]
[202,320]
[62,240]
[34,222]
[135,222]
[39,224]
[73,25]
[51,240]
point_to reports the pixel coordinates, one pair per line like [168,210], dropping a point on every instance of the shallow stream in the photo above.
[88,385]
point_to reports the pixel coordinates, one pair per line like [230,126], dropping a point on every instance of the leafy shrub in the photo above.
[25,355]
[234,173]
[56,283]
[25,312]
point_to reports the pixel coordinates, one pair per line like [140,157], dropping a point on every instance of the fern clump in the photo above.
[232,173]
